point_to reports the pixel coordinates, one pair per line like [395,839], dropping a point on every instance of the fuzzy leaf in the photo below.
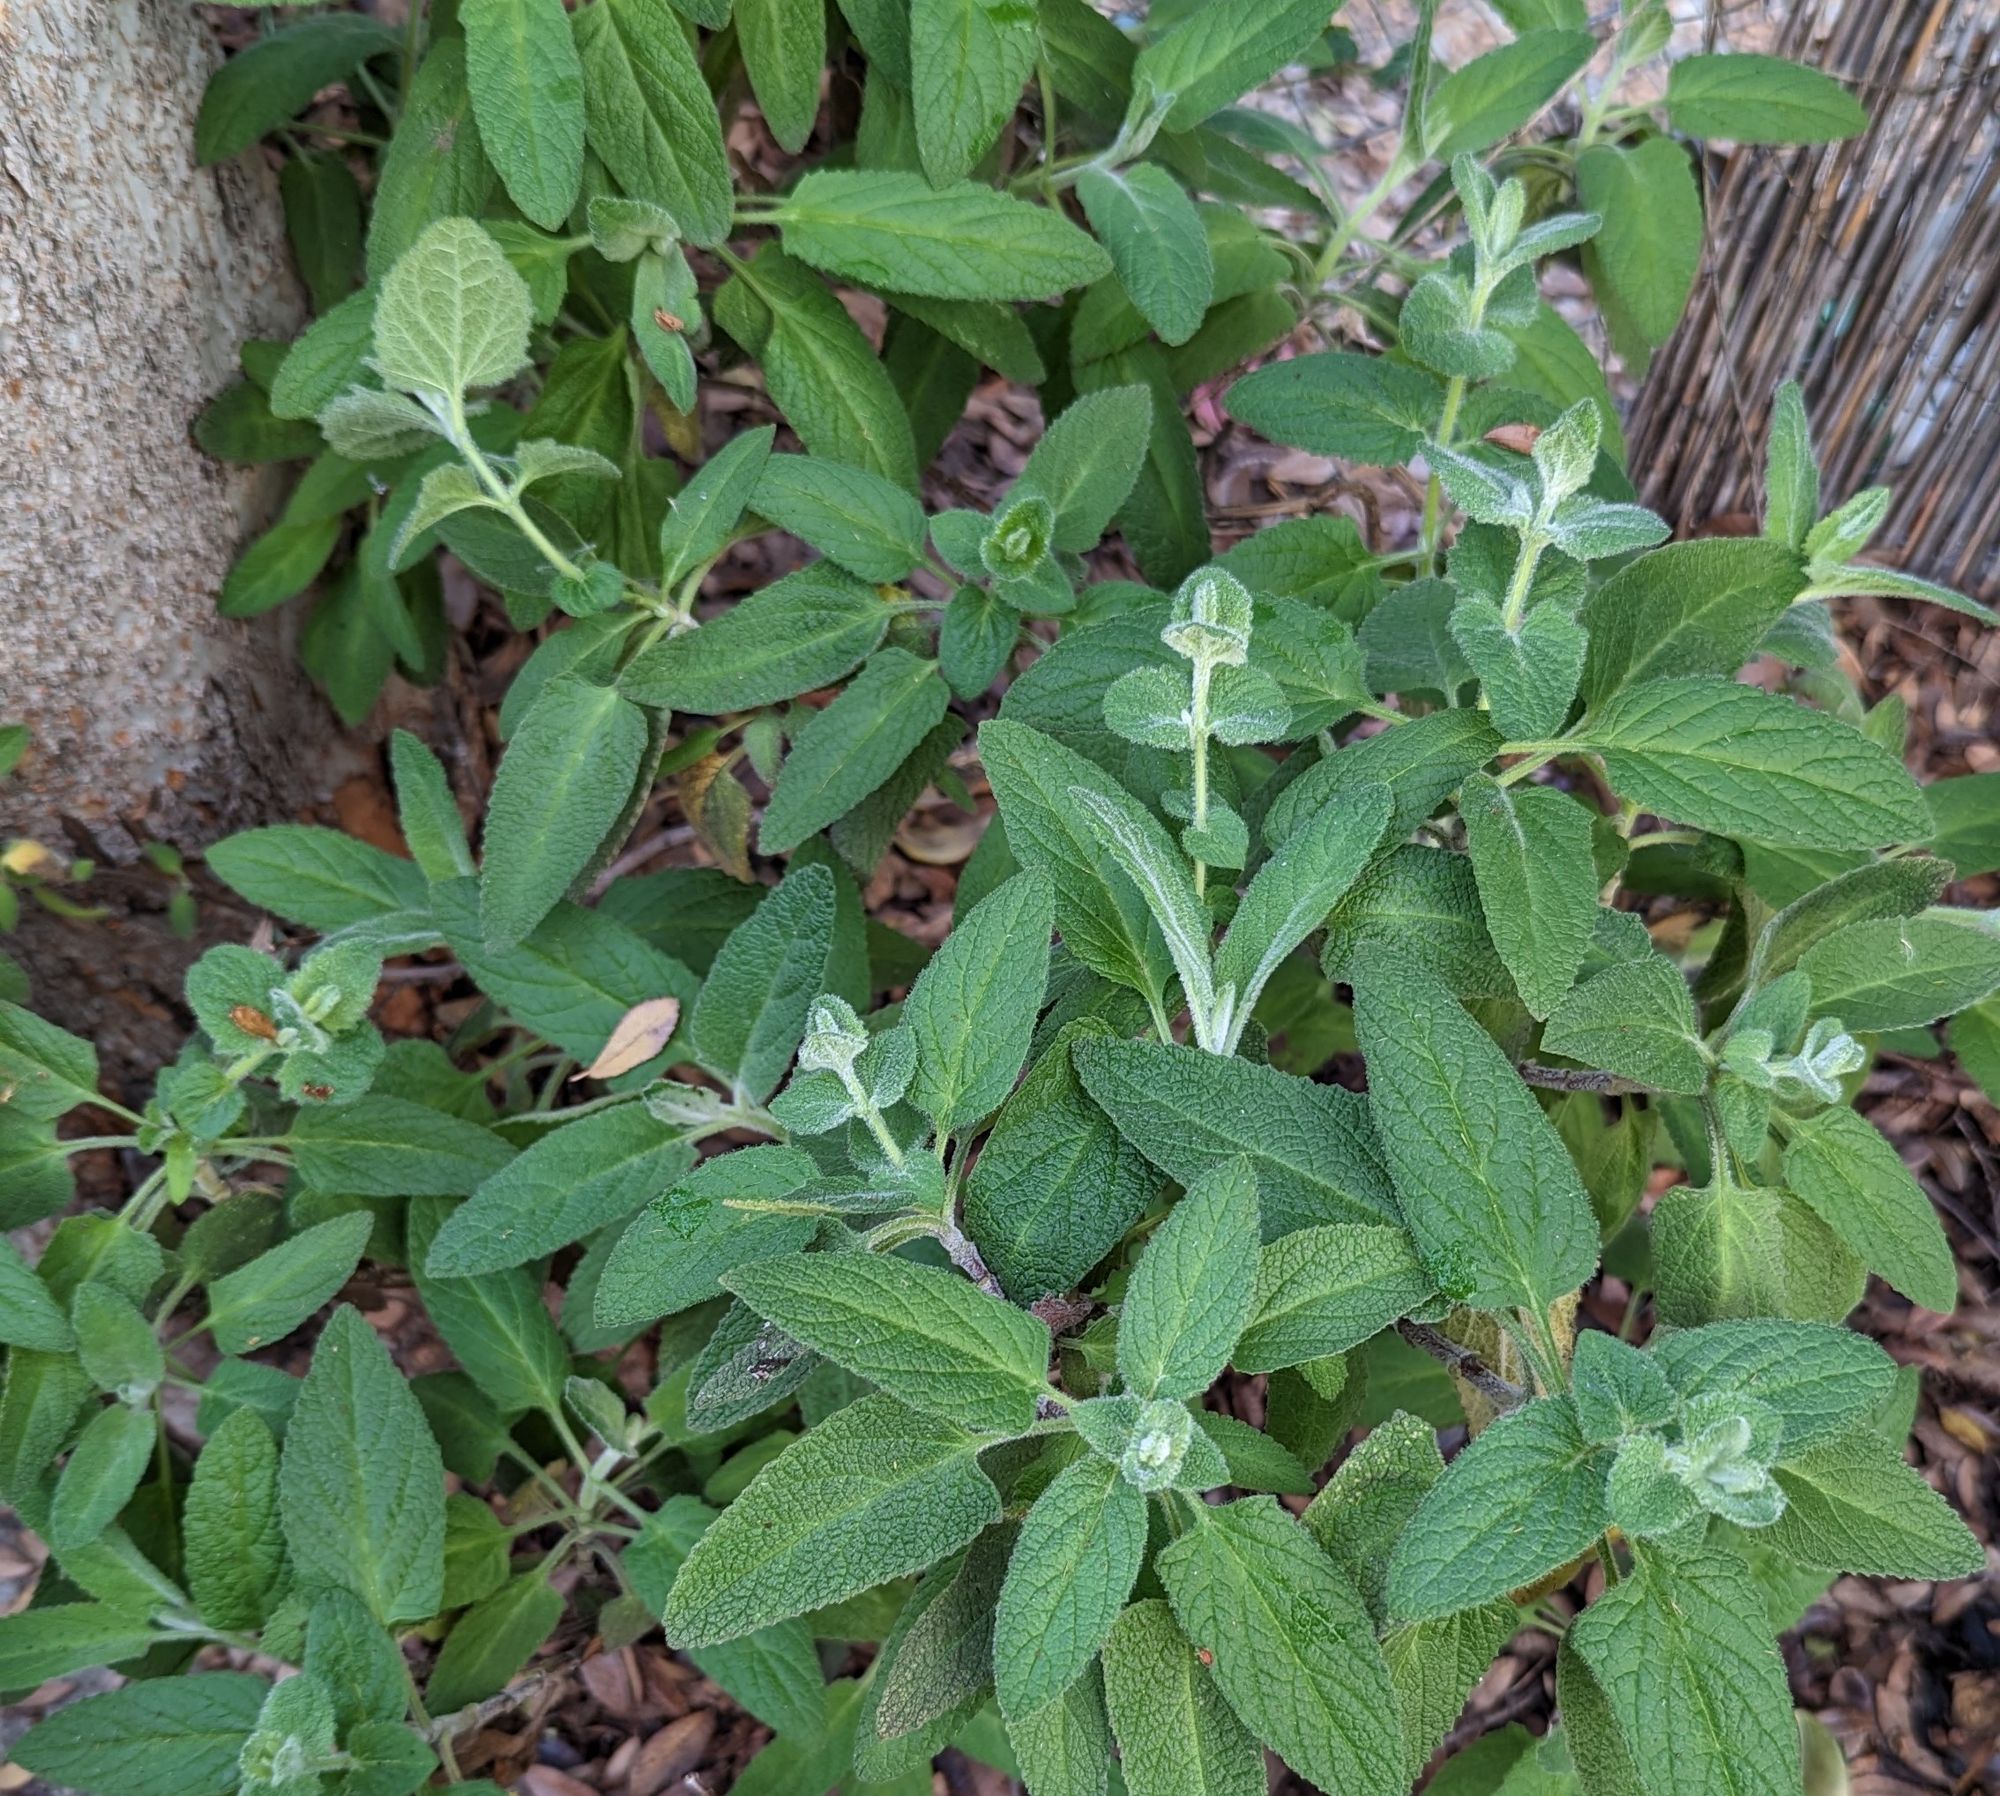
[752,1010]
[1072,1568]
[1288,1643]
[1486,1186]
[527,93]
[1637,1020]
[1311,1146]
[1853,1505]
[900,233]
[1681,1653]
[1191,1292]
[1839,1163]
[1537,882]
[1525,1497]
[361,1485]
[1738,761]
[1320,1291]
[926,1337]
[873,1492]
[973,1007]
[968,59]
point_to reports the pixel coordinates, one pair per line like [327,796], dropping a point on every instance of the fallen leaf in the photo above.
[641,1033]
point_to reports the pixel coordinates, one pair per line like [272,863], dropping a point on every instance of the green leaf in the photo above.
[1524,1498]
[491,1641]
[1537,882]
[1791,474]
[265,1300]
[527,93]
[1966,811]
[174,1736]
[426,810]
[575,1180]
[1176,1735]
[1190,1293]
[1738,761]
[563,783]
[670,1256]
[45,1070]
[1487,1188]
[1899,887]
[1071,1570]
[52,1641]
[1055,1185]
[963,241]
[1362,407]
[968,59]
[435,168]
[1820,1380]
[868,525]
[390,1147]
[1320,1291]
[800,632]
[278,566]
[273,79]
[1527,675]
[1901,972]
[116,1344]
[1157,244]
[361,1485]
[1852,1505]
[1681,1654]
[871,1493]
[1618,1390]
[1435,1666]
[973,1007]
[1636,1020]
[845,751]
[1212,55]
[784,49]
[1646,253]
[1759,99]
[453,315]
[1421,763]
[1103,919]
[1289,1644]
[1087,460]
[648,113]
[1294,890]
[1311,1146]
[1688,608]
[29,1316]
[752,1010]
[925,1336]
[1368,1502]
[572,981]
[818,367]
[1064,1748]
[1839,1163]
[496,1325]
[104,1468]
[234,1544]
[1494,95]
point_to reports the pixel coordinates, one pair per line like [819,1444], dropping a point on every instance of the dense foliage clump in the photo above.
[892,1282]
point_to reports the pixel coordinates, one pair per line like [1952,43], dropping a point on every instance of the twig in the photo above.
[1563,1078]
[1463,1363]
[476,1715]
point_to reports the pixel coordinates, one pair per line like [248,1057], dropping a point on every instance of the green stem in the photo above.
[441,1738]
[1524,577]
[1454,398]
[864,1107]
[1364,209]
[1198,748]
[503,495]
